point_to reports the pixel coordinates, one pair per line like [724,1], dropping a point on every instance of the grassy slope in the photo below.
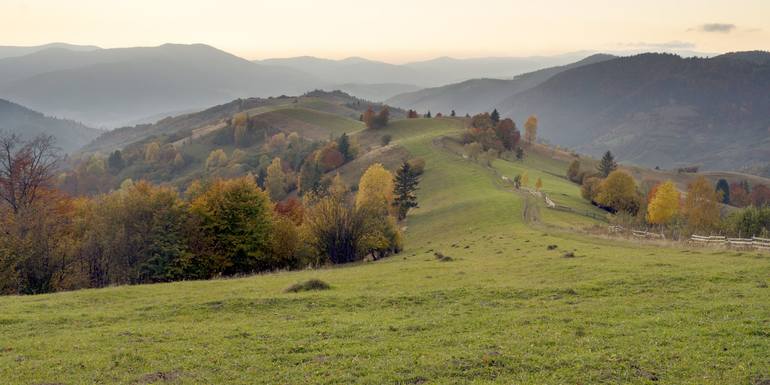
[506,310]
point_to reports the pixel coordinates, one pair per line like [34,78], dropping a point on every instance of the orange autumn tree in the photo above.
[701,209]
[530,129]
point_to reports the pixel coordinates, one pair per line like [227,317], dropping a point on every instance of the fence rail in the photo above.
[743,243]
[753,242]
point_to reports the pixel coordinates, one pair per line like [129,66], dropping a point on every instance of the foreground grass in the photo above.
[505,309]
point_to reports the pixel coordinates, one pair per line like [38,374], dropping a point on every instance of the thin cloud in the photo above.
[716,27]
[675,44]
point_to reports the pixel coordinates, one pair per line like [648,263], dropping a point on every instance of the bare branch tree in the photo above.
[25,168]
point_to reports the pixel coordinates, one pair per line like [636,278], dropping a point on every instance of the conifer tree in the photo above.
[495,116]
[343,146]
[607,165]
[405,187]
[723,188]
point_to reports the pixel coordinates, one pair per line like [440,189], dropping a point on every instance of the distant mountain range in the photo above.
[12,51]
[110,87]
[650,109]
[113,87]
[477,95]
[28,124]
[427,73]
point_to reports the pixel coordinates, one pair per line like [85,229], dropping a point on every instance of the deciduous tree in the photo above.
[275,182]
[701,208]
[530,129]
[664,204]
[618,192]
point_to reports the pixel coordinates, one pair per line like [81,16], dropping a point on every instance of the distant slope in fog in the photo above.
[13,51]
[112,86]
[477,95]
[69,135]
[428,73]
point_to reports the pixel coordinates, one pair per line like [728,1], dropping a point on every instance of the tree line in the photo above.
[661,205]
[142,232]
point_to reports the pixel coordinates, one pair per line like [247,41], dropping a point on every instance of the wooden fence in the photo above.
[746,243]
[636,233]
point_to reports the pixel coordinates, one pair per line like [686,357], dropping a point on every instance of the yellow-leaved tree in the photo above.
[374,201]
[664,204]
[618,191]
[375,189]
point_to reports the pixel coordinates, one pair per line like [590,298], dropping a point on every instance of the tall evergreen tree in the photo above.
[115,162]
[452,114]
[723,188]
[607,165]
[343,146]
[404,189]
[495,116]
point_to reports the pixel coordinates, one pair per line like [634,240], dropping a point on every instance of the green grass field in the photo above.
[505,310]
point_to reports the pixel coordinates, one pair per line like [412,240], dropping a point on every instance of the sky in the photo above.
[394,30]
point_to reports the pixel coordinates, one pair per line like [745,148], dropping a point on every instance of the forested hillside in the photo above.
[70,136]
[660,110]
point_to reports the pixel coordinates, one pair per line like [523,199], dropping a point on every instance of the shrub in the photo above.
[618,192]
[385,140]
[417,165]
[309,285]
[590,188]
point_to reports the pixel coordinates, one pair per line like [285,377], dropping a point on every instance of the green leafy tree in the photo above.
[233,222]
[275,182]
[573,172]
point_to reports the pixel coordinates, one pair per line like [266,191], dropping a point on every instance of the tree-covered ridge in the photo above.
[141,233]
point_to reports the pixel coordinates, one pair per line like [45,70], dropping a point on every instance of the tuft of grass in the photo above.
[309,285]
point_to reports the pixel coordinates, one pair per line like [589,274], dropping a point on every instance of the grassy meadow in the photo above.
[515,302]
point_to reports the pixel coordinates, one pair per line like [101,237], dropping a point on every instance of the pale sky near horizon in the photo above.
[394,30]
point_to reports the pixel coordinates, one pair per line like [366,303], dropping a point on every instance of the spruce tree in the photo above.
[404,189]
[343,146]
[607,165]
[495,116]
[723,188]
[453,114]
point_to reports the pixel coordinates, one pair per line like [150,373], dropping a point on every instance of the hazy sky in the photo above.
[393,30]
